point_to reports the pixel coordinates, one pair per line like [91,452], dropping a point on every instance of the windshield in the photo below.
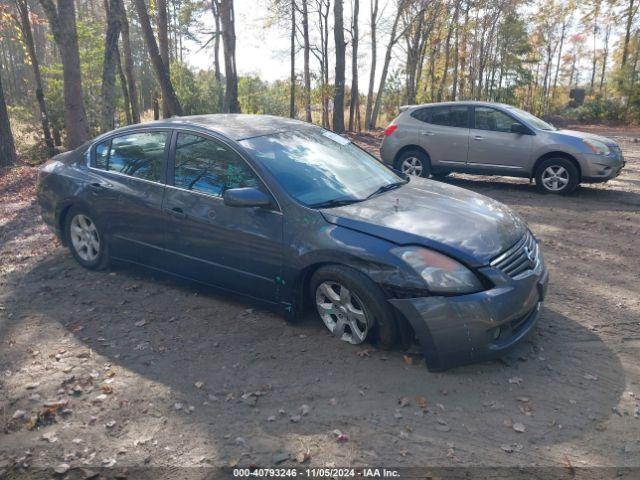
[318,167]
[533,120]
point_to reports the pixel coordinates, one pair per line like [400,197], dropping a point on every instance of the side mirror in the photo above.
[520,128]
[245,197]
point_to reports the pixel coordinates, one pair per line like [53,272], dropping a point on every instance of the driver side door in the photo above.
[492,145]
[235,248]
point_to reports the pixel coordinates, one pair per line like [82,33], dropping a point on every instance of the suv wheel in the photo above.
[557,175]
[414,162]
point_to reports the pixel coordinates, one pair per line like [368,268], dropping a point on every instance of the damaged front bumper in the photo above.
[458,330]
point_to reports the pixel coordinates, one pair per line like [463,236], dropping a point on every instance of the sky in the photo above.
[263,49]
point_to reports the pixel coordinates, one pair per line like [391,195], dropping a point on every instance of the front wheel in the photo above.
[353,307]
[557,175]
[85,239]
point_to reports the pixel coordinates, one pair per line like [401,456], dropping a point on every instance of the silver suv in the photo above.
[496,139]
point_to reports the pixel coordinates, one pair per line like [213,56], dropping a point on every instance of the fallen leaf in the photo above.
[407,359]
[304,457]
[421,402]
[199,384]
[304,410]
[107,389]
[404,401]
[62,468]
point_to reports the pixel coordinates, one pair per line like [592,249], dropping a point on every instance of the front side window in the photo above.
[139,155]
[494,120]
[317,167]
[210,167]
[446,116]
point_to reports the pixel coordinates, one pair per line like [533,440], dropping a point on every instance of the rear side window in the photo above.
[446,116]
[210,167]
[139,155]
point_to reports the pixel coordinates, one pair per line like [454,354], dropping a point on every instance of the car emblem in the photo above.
[530,255]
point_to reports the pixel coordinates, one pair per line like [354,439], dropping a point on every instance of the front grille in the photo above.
[519,258]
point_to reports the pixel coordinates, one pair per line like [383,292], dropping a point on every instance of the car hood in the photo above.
[581,135]
[458,222]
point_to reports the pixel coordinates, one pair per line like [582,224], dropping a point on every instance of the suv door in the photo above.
[492,145]
[444,133]
[230,247]
[126,193]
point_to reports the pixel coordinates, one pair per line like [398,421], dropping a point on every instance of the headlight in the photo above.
[442,274]
[597,146]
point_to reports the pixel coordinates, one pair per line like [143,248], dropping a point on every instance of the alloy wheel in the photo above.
[555,178]
[342,312]
[84,237]
[411,166]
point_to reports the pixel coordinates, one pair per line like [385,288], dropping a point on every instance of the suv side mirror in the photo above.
[245,197]
[520,128]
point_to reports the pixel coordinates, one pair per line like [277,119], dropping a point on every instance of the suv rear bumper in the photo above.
[464,329]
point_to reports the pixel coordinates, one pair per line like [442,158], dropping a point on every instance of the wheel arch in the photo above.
[556,154]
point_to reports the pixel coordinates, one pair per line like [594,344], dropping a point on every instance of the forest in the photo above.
[71,69]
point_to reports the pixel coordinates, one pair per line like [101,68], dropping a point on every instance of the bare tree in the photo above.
[338,35]
[7,146]
[163,44]
[227,23]
[632,9]
[372,73]
[162,75]
[24,23]
[354,104]
[62,21]
[109,65]
[216,53]
[292,86]
[128,64]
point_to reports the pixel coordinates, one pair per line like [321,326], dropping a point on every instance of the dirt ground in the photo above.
[128,368]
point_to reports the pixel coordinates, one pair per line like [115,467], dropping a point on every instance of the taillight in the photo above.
[390,129]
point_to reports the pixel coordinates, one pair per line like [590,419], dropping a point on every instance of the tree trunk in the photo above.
[128,64]
[108,91]
[216,54]
[125,91]
[605,56]
[163,44]
[385,67]
[7,146]
[631,11]
[447,54]
[292,87]
[338,99]
[227,22]
[306,50]
[62,20]
[559,61]
[161,72]
[27,35]
[354,104]
[372,74]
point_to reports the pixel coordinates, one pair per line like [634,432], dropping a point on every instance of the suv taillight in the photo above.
[389,130]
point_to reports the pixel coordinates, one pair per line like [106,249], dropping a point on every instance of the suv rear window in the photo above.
[449,116]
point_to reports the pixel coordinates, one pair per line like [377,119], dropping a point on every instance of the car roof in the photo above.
[448,104]
[236,126]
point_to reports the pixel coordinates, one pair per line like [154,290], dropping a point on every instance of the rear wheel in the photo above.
[85,240]
[557,175]
[352,307]
[414,162]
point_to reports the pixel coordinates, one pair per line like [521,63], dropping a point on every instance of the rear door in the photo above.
[444,133]
[126,193]
[230,247]
[492,145]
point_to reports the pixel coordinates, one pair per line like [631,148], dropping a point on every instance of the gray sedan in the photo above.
[496,139]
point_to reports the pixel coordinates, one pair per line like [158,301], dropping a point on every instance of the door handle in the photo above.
[478,137]
[177,212]
[428,133]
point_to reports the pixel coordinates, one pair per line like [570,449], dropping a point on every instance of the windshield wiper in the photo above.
[386,188]
[336,202]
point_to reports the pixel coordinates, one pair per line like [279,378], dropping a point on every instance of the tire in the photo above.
[86,240]
[557,175]
[414,162]
[364,295]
